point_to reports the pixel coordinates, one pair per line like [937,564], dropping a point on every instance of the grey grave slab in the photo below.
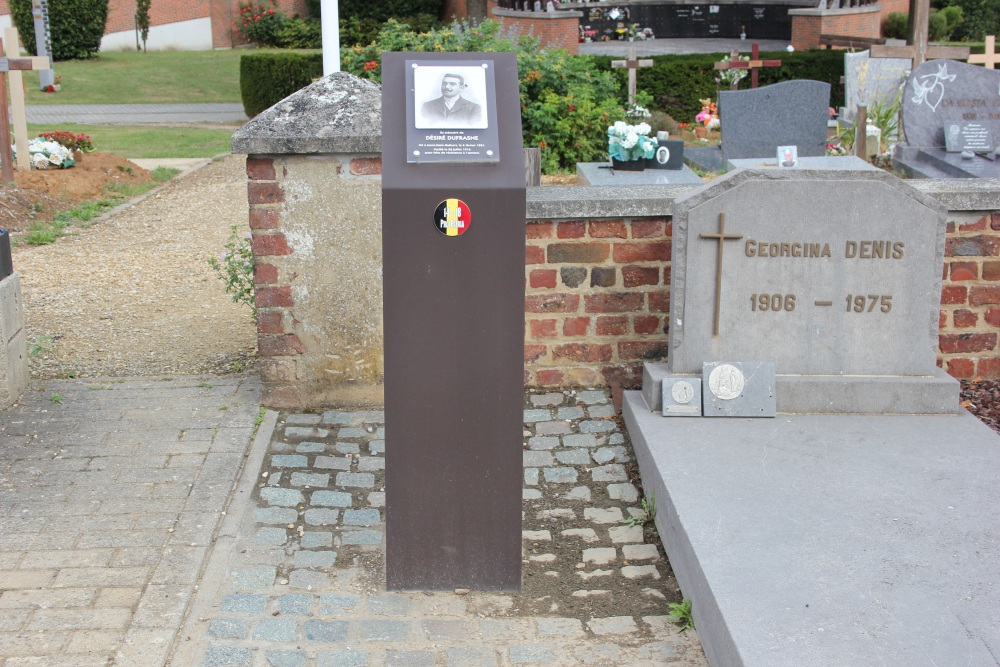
[839,162]
[738,389]
[706,158]
[936,162]
[852,292]
[870,81]
[942,92]
[830,540]
[755,122]
[601,173]
[681,396]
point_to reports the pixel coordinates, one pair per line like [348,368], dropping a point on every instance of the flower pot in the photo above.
[700,131]
[628,165]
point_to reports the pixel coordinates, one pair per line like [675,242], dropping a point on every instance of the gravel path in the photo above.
[133,294]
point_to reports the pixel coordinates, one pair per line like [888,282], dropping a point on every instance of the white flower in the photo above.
[39,161]
[642,128]
[630,140]
[621,127]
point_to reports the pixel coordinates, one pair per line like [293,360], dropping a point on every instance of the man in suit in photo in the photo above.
[451,109]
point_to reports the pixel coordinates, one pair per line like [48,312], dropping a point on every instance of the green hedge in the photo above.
[76,27]
[677,82]
[267,77]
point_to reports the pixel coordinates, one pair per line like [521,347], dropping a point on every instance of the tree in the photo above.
[142,20]
[76,26]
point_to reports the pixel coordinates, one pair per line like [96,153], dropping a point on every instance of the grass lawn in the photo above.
[146,141]
[144,78]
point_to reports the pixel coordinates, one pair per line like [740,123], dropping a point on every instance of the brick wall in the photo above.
[557,29]
[970,298]
[809,24]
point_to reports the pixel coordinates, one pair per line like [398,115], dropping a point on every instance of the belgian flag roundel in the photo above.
[452,217]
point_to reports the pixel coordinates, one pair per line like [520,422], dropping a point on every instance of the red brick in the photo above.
[991,270]
[964,319]
[260,169]
[942,319]
[264,218]
[627,377]
[961,368]
[543,328]
[980,296]
[366,166]
[972,246]
[952,294]
[659,302]
[612,325]
[576,326]
[965,343]
[949,228]
[266,192]
[634,276]
[534,255]
[279,346]
[538,230]
[274,297]
[977,226]
[995,221]
[963,271]
[571,230]
[613,303]
[277,370]
[646,324]
[648,229]
[645,349]
[993,317]
[542,278]
[265,274]
[534,352]
[269,323]
[582,352]
[549,377]
[280,397]
[577,253]
[270,244]
[551,303]
[608,229]
[988,368]
[652,251]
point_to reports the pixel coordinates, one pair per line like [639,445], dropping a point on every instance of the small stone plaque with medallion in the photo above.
[738,389]
[681,396]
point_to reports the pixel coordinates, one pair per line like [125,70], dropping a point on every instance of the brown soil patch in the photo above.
[40,193]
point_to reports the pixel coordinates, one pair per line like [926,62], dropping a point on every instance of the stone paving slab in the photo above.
[297,578]
[111,491]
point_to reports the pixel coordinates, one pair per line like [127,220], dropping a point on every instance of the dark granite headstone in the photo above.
[6,265]
[943,92]
[669,155]
[791,113]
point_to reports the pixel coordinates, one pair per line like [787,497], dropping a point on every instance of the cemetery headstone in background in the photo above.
[941,94]
[453,212]
[871,81]
[791,113]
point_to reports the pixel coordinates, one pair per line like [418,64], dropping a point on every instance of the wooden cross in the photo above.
[721,237]
[918,51]
[990,57]
[14,65]
[754,65]
[632,64]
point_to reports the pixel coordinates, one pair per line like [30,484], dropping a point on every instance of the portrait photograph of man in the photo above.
[450,97]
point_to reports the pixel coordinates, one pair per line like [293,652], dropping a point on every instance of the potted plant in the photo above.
[630,146]
[708,118]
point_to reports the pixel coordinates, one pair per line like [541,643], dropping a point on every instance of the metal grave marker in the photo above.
[453,256]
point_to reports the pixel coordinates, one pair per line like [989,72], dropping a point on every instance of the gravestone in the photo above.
[453,215]
[13,338]
[791,113]
[833,276]
[870,81]
[943,94]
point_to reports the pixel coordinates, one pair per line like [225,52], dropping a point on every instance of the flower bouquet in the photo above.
[630,145]
[732,77]
[48,155]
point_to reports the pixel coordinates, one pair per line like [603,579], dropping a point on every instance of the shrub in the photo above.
[300,34]
[259,24]
[77,26]
[235,268]
[937,27]
[566,103]
[980,18]
[267,77]
[896,25]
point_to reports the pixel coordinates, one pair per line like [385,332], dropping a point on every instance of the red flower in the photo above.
[370,65]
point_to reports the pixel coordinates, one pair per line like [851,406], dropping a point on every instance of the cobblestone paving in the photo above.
[110,492]
[303,585]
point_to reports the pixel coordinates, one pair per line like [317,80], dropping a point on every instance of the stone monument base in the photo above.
[840,394]
[935,162]
[829,539]
[14,352]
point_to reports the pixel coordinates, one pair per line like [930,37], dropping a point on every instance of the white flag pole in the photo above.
[331,36]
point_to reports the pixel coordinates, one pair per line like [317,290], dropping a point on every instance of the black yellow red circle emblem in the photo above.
[452,217]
